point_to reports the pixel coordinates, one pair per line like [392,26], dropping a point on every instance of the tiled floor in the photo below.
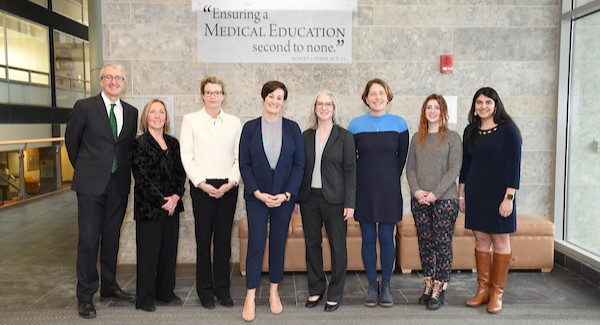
[37,272]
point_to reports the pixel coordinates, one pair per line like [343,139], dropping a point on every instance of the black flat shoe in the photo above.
[226,302]
[119,294]
[149,308]
[86,309]
[208,303]
[330,307]
[173,301]
[311,303]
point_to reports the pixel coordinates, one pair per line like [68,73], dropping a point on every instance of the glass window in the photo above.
[72,69]
[27,45]
[26,56]
[2,42]
[74,9]
[43,3]
[583,142]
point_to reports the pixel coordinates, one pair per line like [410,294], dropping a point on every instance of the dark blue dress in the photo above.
[381,148]
[490,165]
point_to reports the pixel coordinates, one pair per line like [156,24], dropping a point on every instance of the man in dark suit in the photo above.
[99,136]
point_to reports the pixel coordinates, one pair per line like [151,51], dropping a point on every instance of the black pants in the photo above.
[99,218]
[156,259]
[213,221]
[316,212]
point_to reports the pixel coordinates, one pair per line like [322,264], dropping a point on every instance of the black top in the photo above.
[158,173]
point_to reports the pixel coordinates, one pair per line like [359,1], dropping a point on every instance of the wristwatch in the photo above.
[287,196]
[509,197]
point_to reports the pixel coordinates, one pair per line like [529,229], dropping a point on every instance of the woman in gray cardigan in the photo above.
[434,162]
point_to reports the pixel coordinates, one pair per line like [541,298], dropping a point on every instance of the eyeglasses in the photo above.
[324,104]
[110,77]
[216,93]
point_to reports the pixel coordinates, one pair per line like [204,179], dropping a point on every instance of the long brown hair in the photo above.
[424,126]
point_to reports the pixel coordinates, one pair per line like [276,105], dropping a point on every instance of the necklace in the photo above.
[488,131]
[377,125]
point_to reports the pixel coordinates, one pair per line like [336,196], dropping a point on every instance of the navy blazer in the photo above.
[91,146]
[254,166]
[338,167]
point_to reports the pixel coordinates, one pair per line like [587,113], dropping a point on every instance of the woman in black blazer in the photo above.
[159,180]
[327,197]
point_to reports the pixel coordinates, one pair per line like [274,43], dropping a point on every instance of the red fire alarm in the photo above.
[446,63]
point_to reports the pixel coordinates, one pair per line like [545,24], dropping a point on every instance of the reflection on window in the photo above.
[27,45]
[72,69]
[74,9]
[24,62]
[2,42]
[18,75]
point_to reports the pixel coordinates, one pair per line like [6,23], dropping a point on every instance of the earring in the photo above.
[474,113]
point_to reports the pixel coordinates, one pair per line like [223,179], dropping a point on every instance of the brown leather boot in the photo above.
[483,262]
[499,275]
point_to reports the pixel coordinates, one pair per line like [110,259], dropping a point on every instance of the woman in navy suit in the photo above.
[271,161]
[327,197]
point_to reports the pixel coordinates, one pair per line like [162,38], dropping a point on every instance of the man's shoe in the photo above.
[208,303]
[86,309]
[330,307]
[119,294]
[226,302]
[312,303]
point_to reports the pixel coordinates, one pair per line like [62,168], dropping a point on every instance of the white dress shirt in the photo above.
[118,110]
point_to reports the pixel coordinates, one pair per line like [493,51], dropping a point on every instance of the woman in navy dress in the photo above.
[381,142]
[489,179]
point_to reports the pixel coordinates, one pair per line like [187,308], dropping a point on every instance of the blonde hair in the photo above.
[313,121]
[144,118]
[212,79]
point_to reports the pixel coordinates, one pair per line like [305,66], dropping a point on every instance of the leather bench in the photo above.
[532,245]
[295,250]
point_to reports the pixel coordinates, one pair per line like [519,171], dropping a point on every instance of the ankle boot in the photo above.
[483,262]
[385,296]
[437,295]
[372,294]
[428,281]
[499,275]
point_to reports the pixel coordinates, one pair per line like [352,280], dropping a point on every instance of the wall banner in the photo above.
[283,31]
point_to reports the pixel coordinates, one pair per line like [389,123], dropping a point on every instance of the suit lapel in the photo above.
[332,138]
[128,116]
[310,149]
